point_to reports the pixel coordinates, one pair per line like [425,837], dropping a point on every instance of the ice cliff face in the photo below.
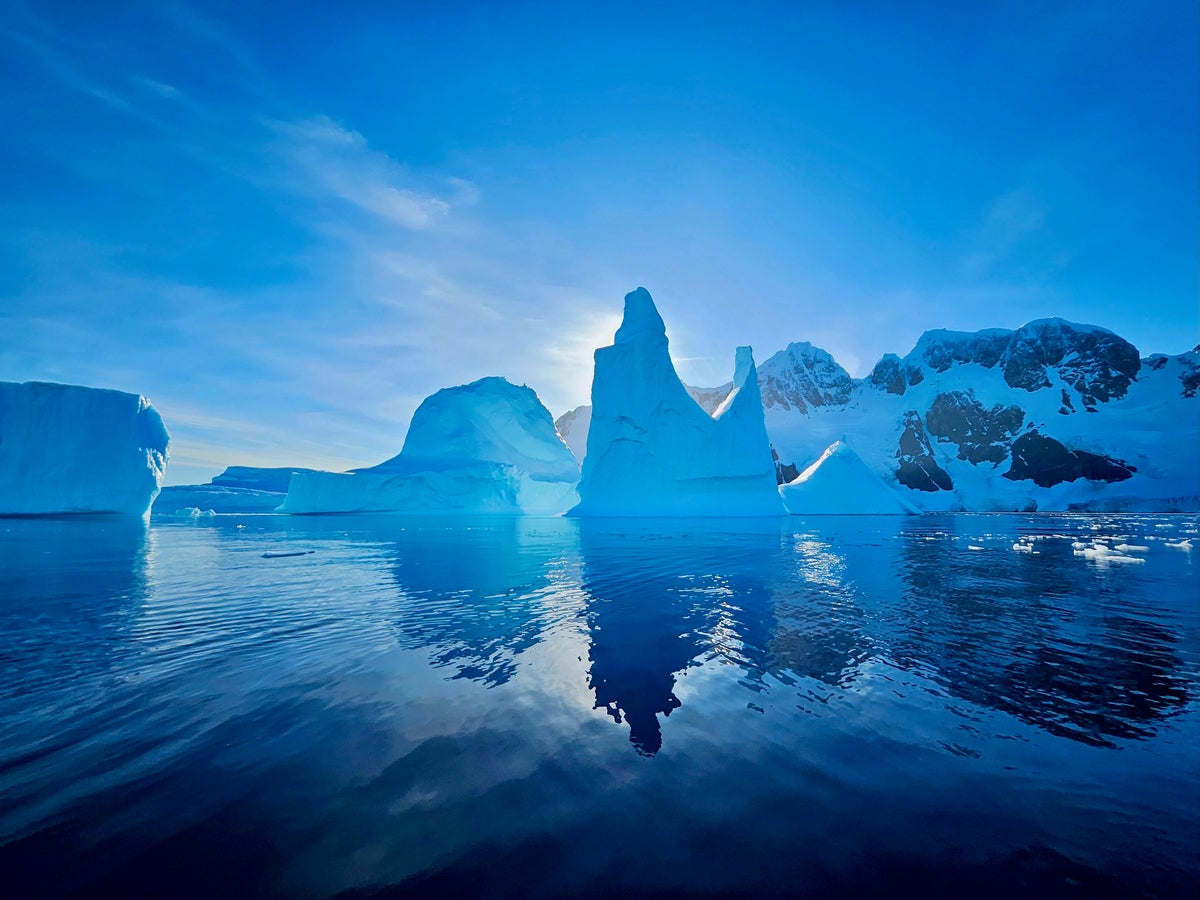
[488,447]
[653,451]
[67,449]
[1050,416]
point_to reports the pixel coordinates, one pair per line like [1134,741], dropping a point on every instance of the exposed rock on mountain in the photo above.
[982,435]
[942,421]
[1048,462]
[918,469]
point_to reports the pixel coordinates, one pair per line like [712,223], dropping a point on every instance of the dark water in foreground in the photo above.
[543,707]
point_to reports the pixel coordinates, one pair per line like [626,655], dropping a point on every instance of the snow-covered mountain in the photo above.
[1050,416]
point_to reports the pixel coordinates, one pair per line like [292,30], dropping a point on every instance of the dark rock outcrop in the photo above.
[1048,462]
[982,434]
[784,472]
[894,375]
[1098,364]
[917,468]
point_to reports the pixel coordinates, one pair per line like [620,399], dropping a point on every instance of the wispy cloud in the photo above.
[329,158]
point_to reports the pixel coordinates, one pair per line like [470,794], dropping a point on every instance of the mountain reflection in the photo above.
[1058,644]
[1042,637]
[659,601]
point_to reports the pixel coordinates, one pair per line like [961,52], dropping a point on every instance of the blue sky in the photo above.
[287,224]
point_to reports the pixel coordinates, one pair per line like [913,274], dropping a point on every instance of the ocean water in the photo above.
[825,707]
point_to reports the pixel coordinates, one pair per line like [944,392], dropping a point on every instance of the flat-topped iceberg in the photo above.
[66,449]
[239,489]
[488,447]
[840,483]
[652,450]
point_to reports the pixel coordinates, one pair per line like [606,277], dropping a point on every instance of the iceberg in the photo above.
[840,483]
[488,448]
[653,451]
[67,449]
[239,489]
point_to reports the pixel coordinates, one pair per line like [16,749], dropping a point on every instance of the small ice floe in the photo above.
[279,554]
[1185,544]
[1023,548]
[1132,548]
[974,547]
[1101,554]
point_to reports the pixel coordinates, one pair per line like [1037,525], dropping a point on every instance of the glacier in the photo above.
[653,451]
[839,482]
[68,449]
[488,447]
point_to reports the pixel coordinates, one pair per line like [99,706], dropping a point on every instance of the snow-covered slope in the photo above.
[573,427]
[66,449]
[839,482]
[1050,416]
[485,447]
[651,450]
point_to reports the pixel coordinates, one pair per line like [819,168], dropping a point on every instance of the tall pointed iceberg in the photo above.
[651,449]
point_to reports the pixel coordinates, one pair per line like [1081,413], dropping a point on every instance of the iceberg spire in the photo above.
[641,319]
[652,451]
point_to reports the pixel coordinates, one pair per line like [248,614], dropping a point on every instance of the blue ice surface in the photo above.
[545,707]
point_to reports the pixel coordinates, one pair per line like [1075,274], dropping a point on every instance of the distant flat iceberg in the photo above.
[66,449]
[488,447]
[239,489]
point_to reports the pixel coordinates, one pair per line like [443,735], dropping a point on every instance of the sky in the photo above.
[287,224]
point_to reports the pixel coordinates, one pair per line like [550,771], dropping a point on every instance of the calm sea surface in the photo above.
[825,707]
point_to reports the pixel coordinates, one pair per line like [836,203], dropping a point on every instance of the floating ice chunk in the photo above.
[1104,555]
[974,547]
[1132,548]
[1179,545]
[841,483]
[1023,548]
